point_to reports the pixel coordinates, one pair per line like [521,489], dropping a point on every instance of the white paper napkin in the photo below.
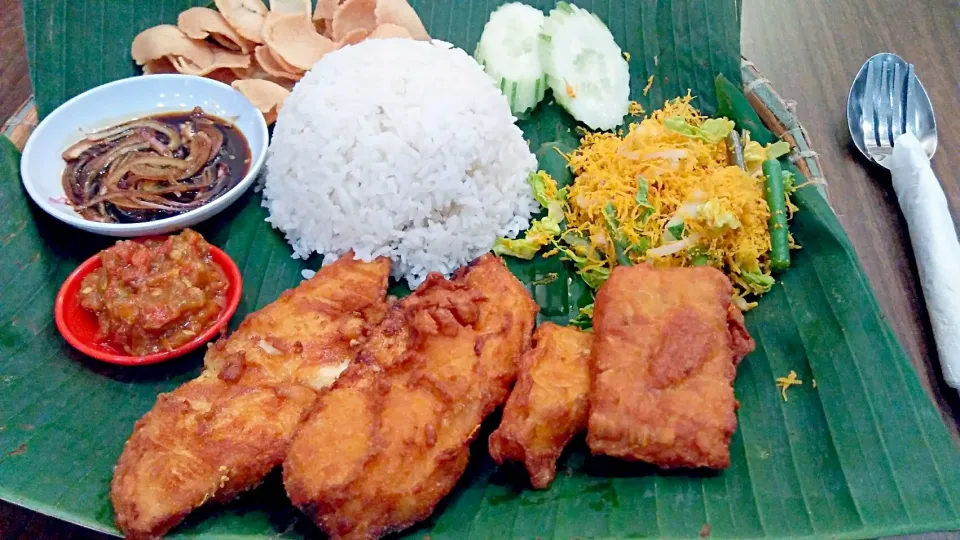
[935,246]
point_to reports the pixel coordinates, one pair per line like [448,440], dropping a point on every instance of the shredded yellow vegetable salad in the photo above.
[784,383]
[664,194]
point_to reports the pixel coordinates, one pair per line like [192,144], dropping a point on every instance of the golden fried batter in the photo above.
[668,343]
[221,433]
[392,437]
[548,405]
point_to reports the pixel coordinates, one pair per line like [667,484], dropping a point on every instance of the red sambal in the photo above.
[155,295]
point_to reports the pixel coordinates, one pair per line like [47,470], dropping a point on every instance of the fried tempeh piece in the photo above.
[668,343]
[392,437]
[220,434]
[548,405]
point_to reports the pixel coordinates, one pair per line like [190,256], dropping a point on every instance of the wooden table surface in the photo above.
[810,50]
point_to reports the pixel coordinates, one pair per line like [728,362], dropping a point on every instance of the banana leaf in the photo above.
[863,452]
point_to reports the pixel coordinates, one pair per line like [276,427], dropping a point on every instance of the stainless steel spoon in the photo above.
[891,122]
[886,87]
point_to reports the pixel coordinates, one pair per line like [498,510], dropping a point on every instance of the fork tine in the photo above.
[899,124]
[909,100]
[868,113]
[884,108]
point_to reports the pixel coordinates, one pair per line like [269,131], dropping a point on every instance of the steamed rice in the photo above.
[398,148]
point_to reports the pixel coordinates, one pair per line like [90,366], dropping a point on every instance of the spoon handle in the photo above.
[935,245]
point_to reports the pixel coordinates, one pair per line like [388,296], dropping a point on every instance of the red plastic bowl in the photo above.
[80,328]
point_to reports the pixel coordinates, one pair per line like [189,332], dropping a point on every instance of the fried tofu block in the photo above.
[667,346]
[222,433]
[548,405]
[392,437]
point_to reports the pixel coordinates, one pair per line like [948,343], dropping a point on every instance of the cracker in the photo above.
[245,16]
[353,38]
[266,96]
[325,10]
[203,23]
[293,38]
[167,40]
[159,66]
[222,59]
[291,6]
[354,15]
[400,13]
[267,61]
[388,31]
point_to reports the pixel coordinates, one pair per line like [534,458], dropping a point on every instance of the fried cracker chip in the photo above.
[228,59]
[284,65]
[325,10]
[266,96]
[183,65]
[167,40]
[268,62]
[353,38]
[389,30]
[224,75]
[252,72]
[203,23]
[158,66]
[290,6]
[323,16]
[354,15]
[400,13]
[257,72]
[293,38]
[222,59]
[283,83]
[245,16]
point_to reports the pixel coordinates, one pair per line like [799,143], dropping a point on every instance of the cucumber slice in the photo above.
[585,67]
[509,51]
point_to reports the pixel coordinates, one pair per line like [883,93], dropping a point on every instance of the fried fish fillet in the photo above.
[667,346]
[548,405]
[392,437]
[220,434]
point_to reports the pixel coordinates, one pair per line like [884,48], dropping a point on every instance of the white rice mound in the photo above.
[398,148]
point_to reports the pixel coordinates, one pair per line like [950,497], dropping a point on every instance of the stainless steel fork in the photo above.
[892,102]
[891,121]
[884,106]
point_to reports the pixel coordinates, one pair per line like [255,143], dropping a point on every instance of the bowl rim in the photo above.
[88,348]
[148,227]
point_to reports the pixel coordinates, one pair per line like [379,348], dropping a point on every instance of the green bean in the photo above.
[779,229]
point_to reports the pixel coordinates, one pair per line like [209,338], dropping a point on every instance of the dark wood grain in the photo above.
[810,50]
[14,79]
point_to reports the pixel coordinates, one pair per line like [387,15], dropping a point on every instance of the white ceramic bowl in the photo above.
[41,165]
